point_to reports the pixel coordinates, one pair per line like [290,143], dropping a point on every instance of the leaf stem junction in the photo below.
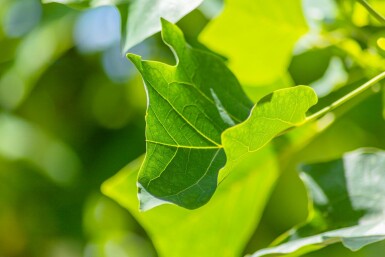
[372,11]
[346,98]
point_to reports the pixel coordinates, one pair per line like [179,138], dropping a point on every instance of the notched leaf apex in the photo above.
[173,36]
[136,60]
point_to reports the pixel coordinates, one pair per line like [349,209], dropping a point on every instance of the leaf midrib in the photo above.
[218,145]
[195,183]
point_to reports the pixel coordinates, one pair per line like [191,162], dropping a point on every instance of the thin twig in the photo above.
[372,11]
[346,98]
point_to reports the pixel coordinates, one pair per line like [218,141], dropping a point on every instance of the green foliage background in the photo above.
[72,116]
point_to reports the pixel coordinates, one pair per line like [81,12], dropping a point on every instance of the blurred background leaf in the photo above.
[221,227]
[257,36]
[140,19]
[346,205]
[72,115]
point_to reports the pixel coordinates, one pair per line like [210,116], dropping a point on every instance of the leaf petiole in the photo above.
[372,11]
[346,98]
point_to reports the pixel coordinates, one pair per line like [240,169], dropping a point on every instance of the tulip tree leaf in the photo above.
[144,17]
[190,105]
[259,40]
[82,4]
[348,197]
[232,211]
[273,114]
[140,18]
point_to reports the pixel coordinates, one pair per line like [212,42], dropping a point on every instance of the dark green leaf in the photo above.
[190,105]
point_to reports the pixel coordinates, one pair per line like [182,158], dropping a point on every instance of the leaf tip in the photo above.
[312,94]
[173,36]
[164,22]
[135,59]
[167,27]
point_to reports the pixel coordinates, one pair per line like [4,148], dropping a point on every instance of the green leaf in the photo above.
[86,3]
[220,228]
[140,18]
[273,114]
[21,140]
[257,36]
[348,198]
[190,105]
[139,28]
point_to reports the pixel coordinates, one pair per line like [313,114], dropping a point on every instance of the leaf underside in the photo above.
[135,28]
[348,198]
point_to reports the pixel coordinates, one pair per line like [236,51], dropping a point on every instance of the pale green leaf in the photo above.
[140,18]
[281,110]
[21,140]
[86,3]
[348,197]
[144,17]
[190,105]
[257,36]
[220,228]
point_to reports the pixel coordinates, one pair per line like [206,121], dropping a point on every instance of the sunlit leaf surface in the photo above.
[257,36]
[273,114]
[190,105]
[220,228]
